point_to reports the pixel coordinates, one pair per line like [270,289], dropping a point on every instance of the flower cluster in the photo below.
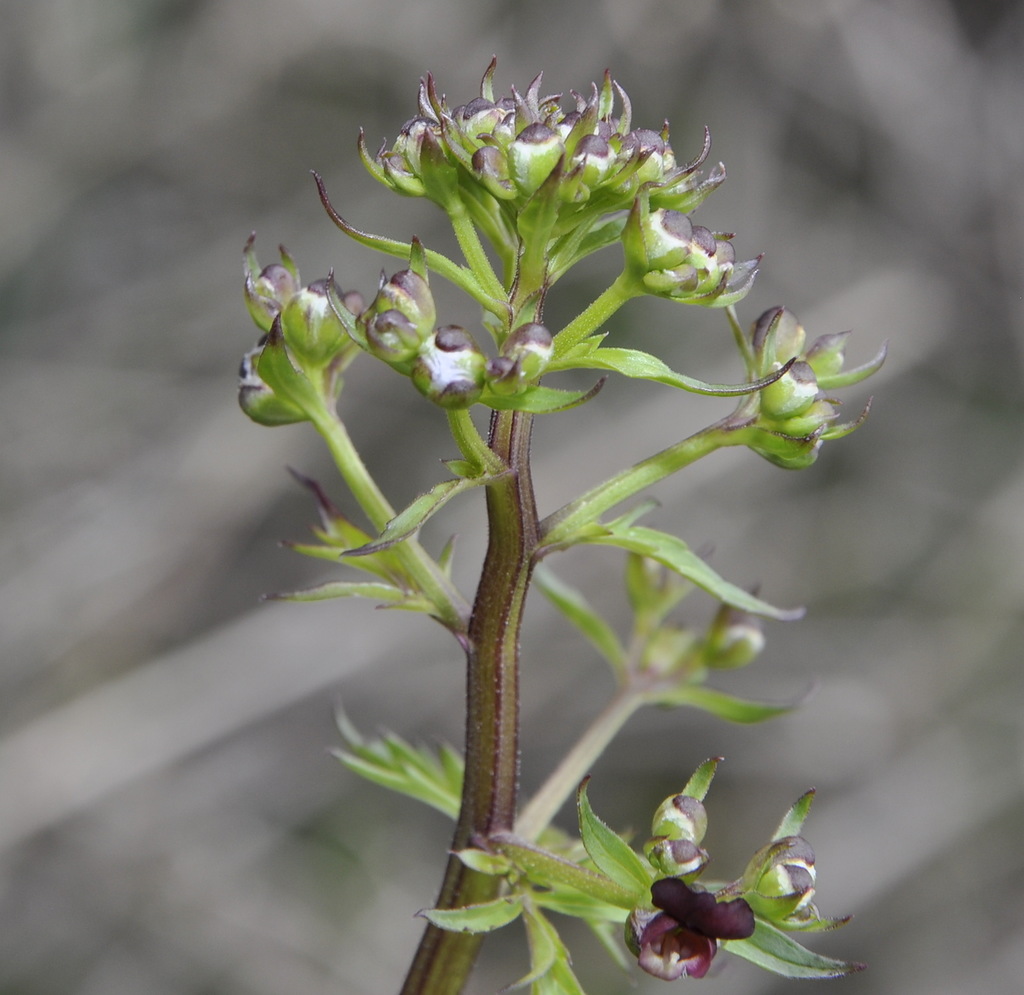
[787,421]
[513,145]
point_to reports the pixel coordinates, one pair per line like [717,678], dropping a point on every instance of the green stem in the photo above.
[561,524]
[444,959]
[472,248]
[576,764]
[595,314]
[452,610]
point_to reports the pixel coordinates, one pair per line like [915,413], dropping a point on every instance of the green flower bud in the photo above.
[676,858]
[311,327]
[524,356]
[594,159]
[792,394]
[778,883]
[400,319]
[777,337]
[680,817]
[827,354]
[536,151]
[490,167]
[734,639]
[267,290]
[450,368]
[257,400]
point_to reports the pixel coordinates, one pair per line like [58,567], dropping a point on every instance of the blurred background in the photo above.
[170,820]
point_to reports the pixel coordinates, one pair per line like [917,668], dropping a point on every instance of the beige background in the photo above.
[170,821]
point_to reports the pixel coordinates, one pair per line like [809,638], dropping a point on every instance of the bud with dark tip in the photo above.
[734,639]
[524,356]
[779,880]
[257,400]
[450,368]
[267,290]
[400,319]
[312,328]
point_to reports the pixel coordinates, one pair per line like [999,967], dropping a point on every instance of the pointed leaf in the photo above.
[611,854]
[641,365]
[697,786]
[554,871]
[409,521]
[549,972]
[774,951]
[571,603]
[541,400]
[385,593]
[677,556]
[793,820]
[483,918]
[722,705]
[275,369]
[493,864]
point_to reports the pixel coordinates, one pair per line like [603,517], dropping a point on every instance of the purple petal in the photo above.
[698,911]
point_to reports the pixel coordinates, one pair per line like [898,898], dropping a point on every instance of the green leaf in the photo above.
[793,820]
[275,369]
[483,918]
[409,521]
[549,972]
[393,763]
[697,786]
[721,705]
[571,603]
[677,556]
[551,870]
[541,400]
[771,949]
[642,365]
[386,594]
[567,902]
[493,864]
[611,854]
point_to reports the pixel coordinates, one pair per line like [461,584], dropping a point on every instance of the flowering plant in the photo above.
[531,188]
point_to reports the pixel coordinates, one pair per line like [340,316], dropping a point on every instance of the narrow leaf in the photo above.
[551,870]
[774,951]
[697,786]
[385,593]
[541,400]
[722,705]
[571,603]
[610,853]
[408,522]
[677,556]
[642,365]
[484,918]
[793,820]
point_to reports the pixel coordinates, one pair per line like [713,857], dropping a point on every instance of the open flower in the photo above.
[681,940]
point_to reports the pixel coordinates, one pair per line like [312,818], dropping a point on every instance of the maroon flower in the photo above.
[681,939]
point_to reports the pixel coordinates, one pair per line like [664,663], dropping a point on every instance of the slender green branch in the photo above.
[473,249]
[471,443]
[576,764]
[452,609]
[595,314]
[561,524]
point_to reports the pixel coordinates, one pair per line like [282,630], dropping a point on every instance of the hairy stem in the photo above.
[444,959]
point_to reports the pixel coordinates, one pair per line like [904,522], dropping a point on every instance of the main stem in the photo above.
[444,959]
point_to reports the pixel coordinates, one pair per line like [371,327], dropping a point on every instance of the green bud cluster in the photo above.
[673,258]
[677,829]
[788,420]
[513,145]
[313,321]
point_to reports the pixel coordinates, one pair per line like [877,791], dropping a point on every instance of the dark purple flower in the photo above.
[681,939]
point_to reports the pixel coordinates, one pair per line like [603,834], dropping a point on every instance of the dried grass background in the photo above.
[170,821]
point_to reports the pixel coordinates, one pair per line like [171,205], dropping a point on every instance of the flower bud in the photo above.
[779,880]
[734,639]
[450,368]
[257,400]
[778,337]
[312,330]
[267,290]
[792,394]
[676,858]
[524,356]
[827,354]
[536,151]
[680,817]
[400,319]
